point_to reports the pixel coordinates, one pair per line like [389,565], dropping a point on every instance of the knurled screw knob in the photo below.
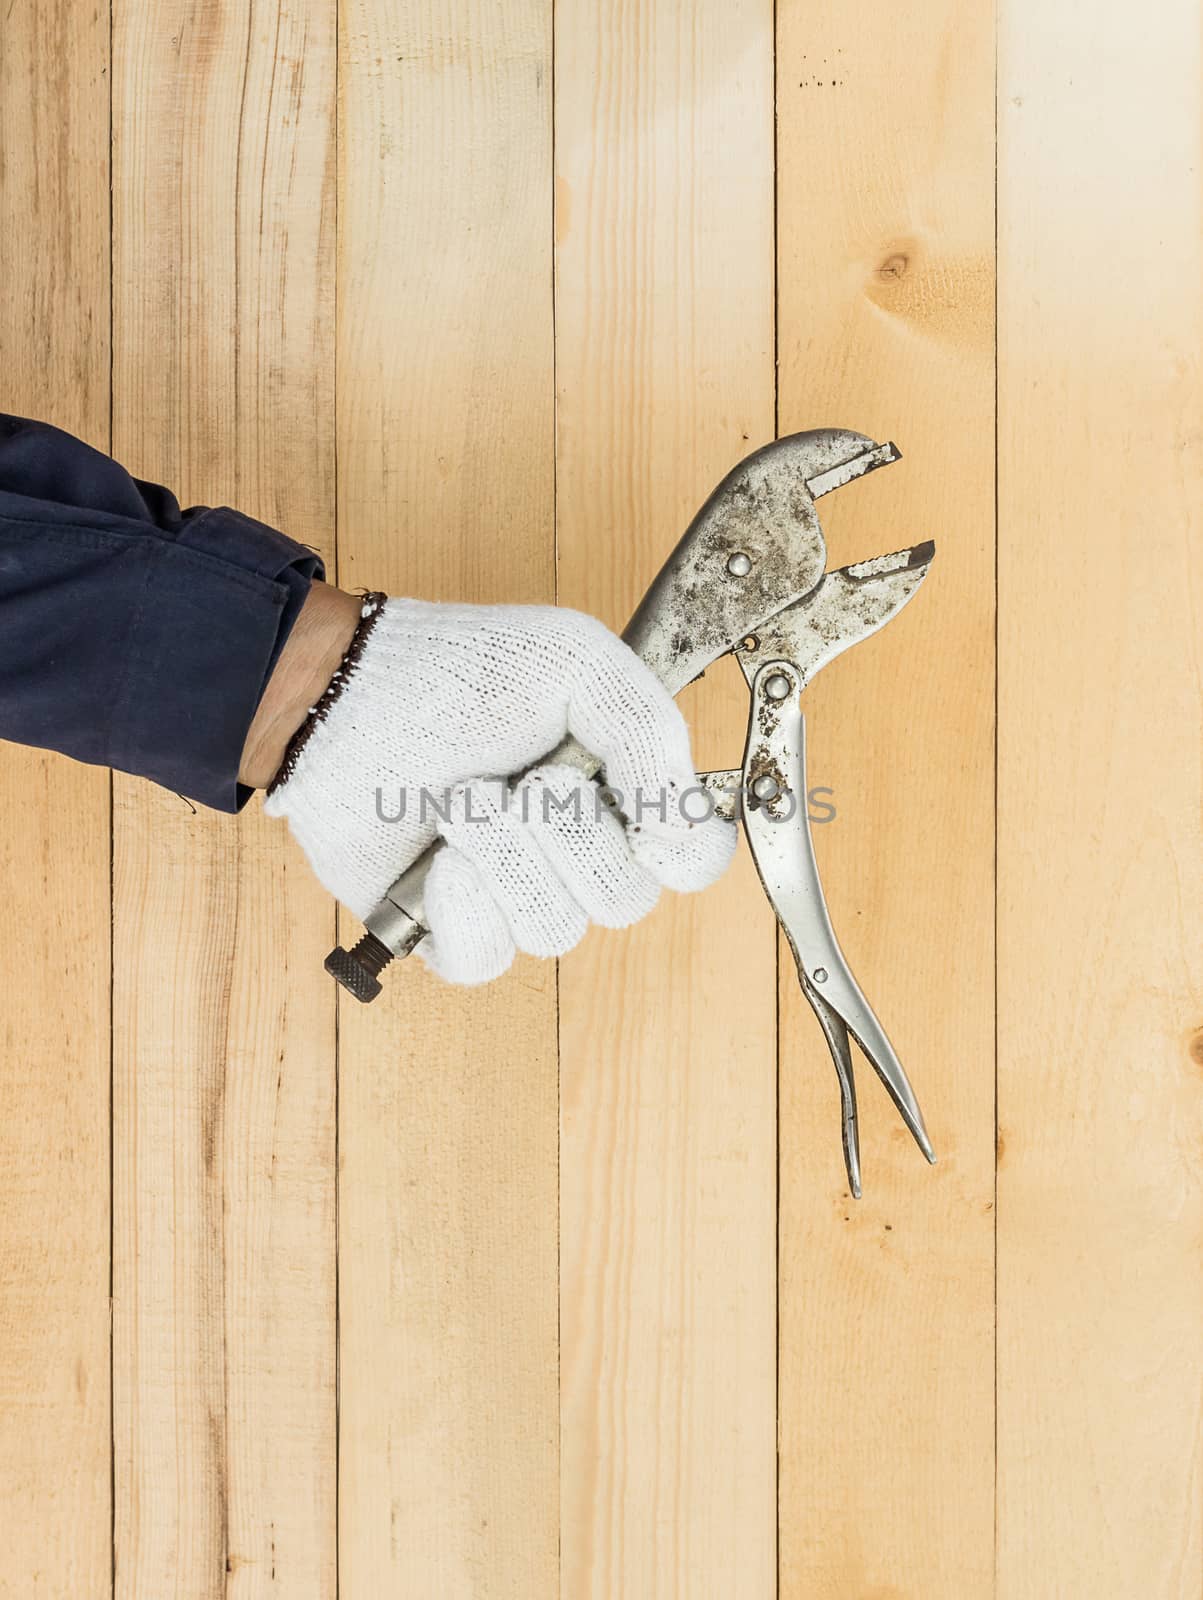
[358,969]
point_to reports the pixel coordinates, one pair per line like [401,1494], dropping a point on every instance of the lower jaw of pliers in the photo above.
[772,793]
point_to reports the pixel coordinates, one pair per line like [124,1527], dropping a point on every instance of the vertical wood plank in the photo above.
[224,1263]
[1100,1274]
[448,1102]
[54,858]
[885,273]
[665,379]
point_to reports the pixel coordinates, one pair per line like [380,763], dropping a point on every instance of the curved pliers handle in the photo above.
[777,825]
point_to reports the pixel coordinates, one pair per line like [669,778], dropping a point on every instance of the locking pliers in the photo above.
[748,577]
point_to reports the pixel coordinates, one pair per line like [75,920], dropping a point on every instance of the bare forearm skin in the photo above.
[311,654]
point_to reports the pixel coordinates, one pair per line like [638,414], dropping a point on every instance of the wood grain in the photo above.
[223,1026]
[885,282]
[1100,1276]
[584,1404]
[665,379]
[54,859]
[448,1101]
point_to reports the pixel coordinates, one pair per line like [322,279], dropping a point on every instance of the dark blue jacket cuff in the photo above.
[132,634]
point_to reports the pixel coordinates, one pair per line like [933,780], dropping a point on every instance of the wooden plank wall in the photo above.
[223,1033]
[554,1289]
[448,1110]
[55,1426]
[885,288]
[1100,1191]
[664,364]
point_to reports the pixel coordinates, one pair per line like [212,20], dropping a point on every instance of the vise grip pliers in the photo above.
[748,578]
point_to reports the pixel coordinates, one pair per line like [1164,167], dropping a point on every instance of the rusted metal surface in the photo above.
[704,599]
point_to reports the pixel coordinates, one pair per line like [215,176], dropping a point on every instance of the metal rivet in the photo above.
[777,686]
[750,643]
[820,974]
[765,787]
[739,564]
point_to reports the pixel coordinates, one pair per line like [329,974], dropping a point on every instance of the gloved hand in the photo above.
[434,706]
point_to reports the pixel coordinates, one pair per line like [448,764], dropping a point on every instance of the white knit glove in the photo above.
[434,707]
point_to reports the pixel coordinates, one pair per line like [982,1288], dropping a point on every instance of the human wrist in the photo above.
[310,657]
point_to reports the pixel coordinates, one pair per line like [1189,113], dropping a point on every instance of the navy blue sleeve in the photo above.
[133,634]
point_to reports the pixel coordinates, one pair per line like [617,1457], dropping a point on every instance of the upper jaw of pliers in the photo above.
[753,549]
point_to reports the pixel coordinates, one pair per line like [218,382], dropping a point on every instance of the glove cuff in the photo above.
[373,602]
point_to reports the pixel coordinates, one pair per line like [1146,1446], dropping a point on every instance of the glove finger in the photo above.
[469,941]
[586,845]
[486,828]
[691,861]
[620,711]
